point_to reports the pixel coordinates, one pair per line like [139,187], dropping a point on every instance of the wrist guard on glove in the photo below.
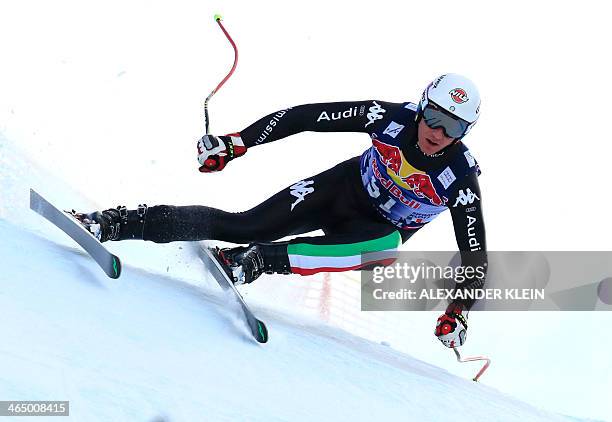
[451,328]
[214,152]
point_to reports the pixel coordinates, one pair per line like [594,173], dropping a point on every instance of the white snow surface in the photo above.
[149,347]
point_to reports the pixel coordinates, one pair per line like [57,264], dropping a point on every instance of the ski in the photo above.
[219,273]
[106,260]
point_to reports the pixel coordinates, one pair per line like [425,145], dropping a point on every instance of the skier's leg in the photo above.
[332,252]
[343,252]
[304,206]
[339,251]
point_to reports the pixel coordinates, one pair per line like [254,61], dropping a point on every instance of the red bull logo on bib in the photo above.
[418,182]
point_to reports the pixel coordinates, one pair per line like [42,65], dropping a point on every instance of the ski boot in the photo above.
[103,225]
[108,224]
[245,263]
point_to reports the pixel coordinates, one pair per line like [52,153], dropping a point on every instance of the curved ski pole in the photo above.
[474,359]
[214,91]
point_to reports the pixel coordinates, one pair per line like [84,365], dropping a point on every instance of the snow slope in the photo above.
[150,347]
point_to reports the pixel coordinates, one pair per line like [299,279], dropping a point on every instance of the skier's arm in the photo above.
[214,152]
[348,116]
[466,211]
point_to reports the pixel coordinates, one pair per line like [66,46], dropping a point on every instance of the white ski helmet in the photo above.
[455,94]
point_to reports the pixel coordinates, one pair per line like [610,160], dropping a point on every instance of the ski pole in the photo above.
[218,19]
[473,359]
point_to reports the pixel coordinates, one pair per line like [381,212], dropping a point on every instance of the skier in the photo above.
[416,168]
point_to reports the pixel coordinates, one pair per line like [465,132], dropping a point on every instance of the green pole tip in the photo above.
[218,18]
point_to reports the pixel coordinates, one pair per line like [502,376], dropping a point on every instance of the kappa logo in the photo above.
[467,197]
[376,112]
[300,190]
[393,129]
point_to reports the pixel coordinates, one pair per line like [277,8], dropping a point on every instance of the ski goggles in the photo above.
[435,117]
